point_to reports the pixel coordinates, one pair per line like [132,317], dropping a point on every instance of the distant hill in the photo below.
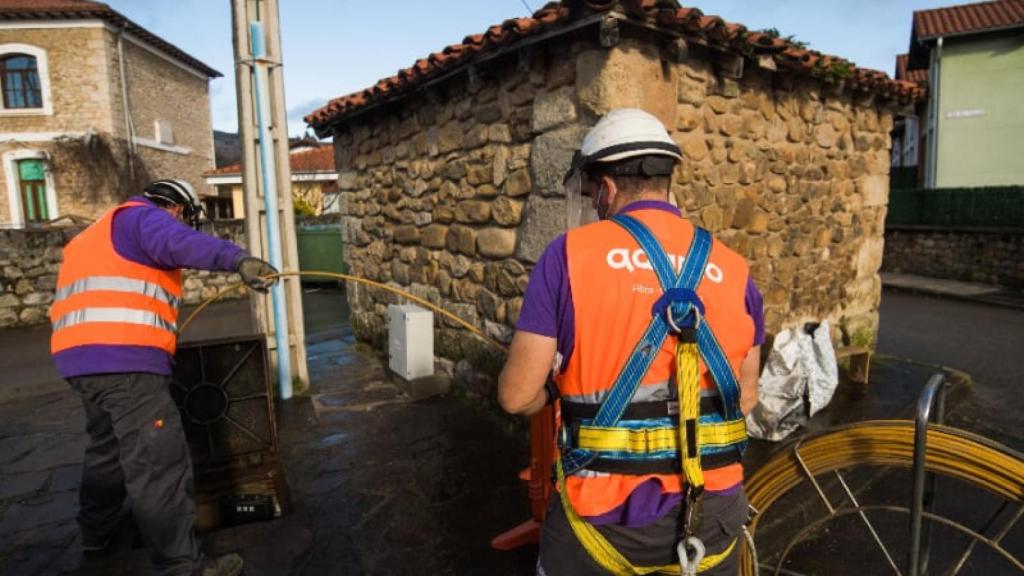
[226,147]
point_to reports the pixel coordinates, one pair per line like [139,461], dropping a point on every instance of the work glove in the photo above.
[252,270]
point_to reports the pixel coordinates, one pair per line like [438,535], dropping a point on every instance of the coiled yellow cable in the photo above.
[951,452]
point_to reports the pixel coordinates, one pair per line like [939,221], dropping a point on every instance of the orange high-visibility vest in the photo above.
[103,298]
[613,290]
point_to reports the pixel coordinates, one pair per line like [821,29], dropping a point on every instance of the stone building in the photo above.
[450,171]
[93,107]
[314,184]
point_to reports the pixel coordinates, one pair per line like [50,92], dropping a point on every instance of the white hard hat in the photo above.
[624,133]
[624,142]
[177,192]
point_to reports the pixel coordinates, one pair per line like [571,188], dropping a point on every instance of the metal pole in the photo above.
[269,180]
[924,407]
[272,133]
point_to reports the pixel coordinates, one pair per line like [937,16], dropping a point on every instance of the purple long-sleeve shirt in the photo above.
[150,236]
[548,310]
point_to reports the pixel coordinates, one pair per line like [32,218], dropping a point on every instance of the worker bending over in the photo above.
[114,333]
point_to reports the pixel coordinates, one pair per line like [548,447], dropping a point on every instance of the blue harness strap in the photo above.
[678,305]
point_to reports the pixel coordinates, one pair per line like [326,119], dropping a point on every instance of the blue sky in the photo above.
[334,47]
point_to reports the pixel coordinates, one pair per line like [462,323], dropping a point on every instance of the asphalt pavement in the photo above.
[983,340]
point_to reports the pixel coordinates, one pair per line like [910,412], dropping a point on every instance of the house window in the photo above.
[19,75]
[32,184]
[164,132]
[218,208]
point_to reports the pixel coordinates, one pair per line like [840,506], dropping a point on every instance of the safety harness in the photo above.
[688,435]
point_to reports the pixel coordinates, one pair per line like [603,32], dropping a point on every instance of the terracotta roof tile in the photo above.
[666,13]
[968,18]
[319,159]
[919,77]
[78,9]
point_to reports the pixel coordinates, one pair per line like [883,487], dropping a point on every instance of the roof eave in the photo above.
[592,20]
[118,20]
[977,32]
[326,127]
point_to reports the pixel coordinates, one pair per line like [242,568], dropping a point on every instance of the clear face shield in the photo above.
[579,208]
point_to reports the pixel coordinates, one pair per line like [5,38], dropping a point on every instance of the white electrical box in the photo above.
[411,341]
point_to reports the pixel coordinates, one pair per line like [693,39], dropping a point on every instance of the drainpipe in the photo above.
[934,80]
[268,171]
[128,124]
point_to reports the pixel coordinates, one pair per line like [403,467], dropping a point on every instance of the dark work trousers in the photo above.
[137,448]
[561,553]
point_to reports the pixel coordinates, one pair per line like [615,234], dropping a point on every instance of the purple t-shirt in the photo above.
[150,236]
[548,310]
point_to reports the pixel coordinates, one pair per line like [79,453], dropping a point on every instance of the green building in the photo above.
[969,132]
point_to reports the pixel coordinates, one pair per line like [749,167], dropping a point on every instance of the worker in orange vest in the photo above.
[650,331]
[114,333]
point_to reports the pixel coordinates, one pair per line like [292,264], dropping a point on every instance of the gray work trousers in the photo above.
[137,449]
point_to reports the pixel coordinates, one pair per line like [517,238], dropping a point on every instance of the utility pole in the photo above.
[266,180]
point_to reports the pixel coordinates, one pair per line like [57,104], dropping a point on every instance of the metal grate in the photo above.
[223,391]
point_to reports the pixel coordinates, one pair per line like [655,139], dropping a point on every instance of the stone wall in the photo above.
[30,260]
[78,76]
[453,193]
[160,90]
[974,255]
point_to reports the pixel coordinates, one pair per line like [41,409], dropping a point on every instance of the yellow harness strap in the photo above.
[642,440]
[688,382]
[607,556]
[688,388]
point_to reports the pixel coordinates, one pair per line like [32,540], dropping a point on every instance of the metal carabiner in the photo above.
[688,564]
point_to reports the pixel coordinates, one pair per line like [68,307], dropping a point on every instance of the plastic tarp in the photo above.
[798,380]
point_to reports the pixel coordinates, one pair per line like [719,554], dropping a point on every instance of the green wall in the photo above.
[985,74]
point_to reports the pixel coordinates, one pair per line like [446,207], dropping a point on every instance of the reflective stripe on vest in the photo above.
[118,284]
[113,315]
[646,393]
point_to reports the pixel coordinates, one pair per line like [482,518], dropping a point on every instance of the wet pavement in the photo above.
[388,478]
